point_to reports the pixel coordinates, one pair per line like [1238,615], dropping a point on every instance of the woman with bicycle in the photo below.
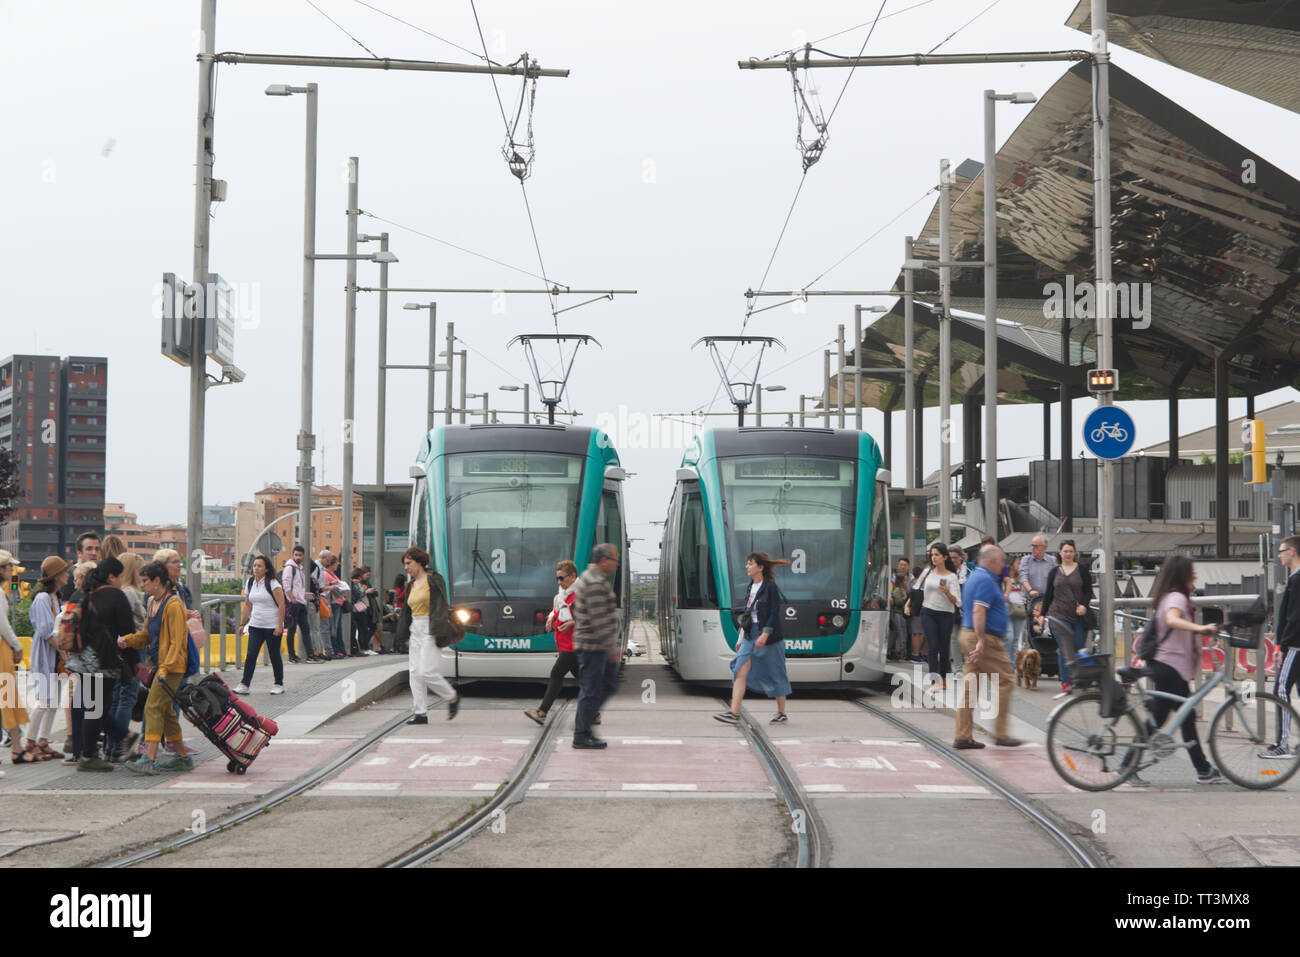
[1178,653]
[1065,605]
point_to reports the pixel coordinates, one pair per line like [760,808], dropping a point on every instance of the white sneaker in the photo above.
[240,688]
[277,689]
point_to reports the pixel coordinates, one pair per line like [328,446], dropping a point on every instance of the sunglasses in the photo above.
[560,578]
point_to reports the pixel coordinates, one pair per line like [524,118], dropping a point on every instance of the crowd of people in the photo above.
[134,628]
[1046,596]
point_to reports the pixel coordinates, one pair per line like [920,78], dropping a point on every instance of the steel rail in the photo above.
[513,792]
[1077,852]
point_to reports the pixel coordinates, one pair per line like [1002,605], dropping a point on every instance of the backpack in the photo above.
[1147,643]
[70,626]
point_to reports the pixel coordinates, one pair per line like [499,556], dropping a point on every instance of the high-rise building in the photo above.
[54,420]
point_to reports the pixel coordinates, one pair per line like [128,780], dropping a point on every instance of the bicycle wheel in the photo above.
[1237,751]
[1092,752]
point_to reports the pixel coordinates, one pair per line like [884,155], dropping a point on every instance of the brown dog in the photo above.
[1029,664]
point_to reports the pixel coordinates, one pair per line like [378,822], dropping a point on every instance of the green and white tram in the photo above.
[814,496]
[496,506]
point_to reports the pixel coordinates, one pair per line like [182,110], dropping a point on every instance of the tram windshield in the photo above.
[795,507]
[510,517]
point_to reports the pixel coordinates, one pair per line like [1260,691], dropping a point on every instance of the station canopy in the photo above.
[1220,255]
[1252,47]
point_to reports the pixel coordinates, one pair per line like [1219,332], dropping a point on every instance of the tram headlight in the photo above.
[838,621]
[463,616]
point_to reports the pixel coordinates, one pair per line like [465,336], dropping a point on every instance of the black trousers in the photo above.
[257,637]
[938,636]
[295,619]
[566,662]
[1171,682]
[97,699]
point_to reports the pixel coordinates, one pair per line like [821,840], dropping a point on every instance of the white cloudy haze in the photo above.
[660,167]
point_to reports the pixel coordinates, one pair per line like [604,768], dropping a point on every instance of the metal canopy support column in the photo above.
[1047,430]
[826,388]
[918,438]
[839,375]
[1221,457]
[1173,428]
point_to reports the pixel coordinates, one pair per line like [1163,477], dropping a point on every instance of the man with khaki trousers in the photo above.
[984,621]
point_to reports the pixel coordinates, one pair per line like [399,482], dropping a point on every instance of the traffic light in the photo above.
[24,590]
[1253,452]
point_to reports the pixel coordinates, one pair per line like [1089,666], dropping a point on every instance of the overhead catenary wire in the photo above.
[824,130]
[344,29]
[962,27]
[532,226]
[412,229]
[866,23]
[477,56]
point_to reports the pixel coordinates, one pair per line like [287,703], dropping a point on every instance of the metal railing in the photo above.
[1129,631]
[216,604]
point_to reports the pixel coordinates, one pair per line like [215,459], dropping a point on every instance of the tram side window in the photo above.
[876,585]
[695,585]
[420,509]
[609,528]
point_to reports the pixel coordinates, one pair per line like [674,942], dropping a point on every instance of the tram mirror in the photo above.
[687,475]
[416,471]
[882,475]
[614,473]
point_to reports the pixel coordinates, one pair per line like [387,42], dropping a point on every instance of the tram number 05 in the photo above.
[839,603]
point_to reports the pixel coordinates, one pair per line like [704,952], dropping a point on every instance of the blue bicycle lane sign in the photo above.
[1108,432]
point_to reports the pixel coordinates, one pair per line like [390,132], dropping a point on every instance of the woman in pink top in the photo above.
[1178,654]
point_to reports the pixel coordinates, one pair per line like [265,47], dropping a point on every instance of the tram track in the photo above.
[1048,823]
[513,791]
[803,818]
[420,853]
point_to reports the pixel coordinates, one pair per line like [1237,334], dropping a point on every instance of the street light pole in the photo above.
[198,349]
[945,356]
[991,304]
[349,403]
[909,384]
[1105,344]
[382,403]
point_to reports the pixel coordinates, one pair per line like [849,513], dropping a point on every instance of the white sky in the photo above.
[653,87]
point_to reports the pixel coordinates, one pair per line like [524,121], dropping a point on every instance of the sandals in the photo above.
[538,716]
[24,757]
[49,753]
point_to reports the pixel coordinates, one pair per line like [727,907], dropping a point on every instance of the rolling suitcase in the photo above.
[238,731]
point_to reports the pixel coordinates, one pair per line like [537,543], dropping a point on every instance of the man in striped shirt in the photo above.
[595,639]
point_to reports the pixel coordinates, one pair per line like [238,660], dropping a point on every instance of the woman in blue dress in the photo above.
[760,652]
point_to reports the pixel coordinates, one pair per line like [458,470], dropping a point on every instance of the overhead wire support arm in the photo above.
[553,291]
[530,70]
[918,59]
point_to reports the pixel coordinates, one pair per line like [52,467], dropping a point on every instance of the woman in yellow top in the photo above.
[425,617]
[166,636]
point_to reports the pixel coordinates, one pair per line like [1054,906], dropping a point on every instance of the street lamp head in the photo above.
[509,388]
[1023,97]
[773,388]
[414,305]
[278,89]
[384,256]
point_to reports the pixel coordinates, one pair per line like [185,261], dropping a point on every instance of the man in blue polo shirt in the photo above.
[984,621]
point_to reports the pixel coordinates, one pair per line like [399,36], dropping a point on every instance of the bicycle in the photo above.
[1097,751]
[1110,430]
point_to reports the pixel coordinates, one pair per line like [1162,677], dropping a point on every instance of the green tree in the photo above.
[10,491]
